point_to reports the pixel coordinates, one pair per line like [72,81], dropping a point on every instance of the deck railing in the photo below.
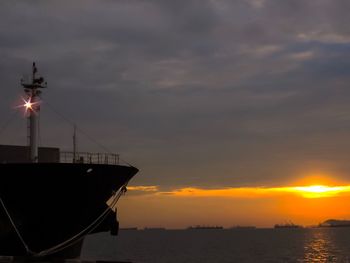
[87,157]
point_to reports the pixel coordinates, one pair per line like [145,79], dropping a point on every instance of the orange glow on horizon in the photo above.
[305,204]
[310,191]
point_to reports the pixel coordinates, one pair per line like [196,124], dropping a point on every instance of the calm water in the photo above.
[260,245]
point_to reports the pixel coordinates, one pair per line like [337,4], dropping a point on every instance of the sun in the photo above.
[318,185]
[319,191]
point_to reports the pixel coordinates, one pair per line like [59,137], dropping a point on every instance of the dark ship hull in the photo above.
[51,202]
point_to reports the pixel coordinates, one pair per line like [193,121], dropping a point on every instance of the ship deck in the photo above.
[10,259]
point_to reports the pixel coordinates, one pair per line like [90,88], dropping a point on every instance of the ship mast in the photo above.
[33,92]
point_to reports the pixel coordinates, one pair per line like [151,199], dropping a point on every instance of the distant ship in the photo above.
[204,227]
[49,200]
[335,223]
[243,227]
[287,225]
[154,228]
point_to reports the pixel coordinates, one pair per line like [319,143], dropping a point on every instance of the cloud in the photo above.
[301,56]
[327,38]
[207,93]
[149,188]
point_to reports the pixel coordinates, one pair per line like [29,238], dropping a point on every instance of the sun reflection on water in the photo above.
[320,247]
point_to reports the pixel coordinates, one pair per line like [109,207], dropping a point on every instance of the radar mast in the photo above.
[33,91]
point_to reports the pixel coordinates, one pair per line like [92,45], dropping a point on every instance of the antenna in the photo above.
[75,144]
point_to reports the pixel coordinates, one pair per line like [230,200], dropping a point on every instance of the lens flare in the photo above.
[29,105]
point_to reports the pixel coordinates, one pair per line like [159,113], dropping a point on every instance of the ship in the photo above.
[51,200]
[335,223]
[243,227]
[287,225]
[154,229]
[199,227]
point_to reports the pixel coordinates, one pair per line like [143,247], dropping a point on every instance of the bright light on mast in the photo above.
[29,105]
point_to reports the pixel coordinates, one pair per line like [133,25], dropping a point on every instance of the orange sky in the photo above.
[307,202]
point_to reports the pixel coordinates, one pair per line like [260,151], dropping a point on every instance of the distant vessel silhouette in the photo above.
[49,200]
[335,223]
[287,225]
[154,228]
[243,227]
[204,227]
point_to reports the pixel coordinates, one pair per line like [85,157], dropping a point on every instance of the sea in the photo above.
[216,245]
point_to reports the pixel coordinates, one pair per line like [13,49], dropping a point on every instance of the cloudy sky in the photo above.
[195,93]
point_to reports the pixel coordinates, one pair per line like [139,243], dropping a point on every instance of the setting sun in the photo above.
[318,191]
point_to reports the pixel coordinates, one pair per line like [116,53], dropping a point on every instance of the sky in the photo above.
[198,94]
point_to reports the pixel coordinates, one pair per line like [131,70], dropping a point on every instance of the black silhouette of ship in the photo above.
[199,227]
[154,229]
[50,200]
[243,227]
[287,225]
[335,223]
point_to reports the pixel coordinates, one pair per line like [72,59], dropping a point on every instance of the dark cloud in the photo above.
[202,93]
